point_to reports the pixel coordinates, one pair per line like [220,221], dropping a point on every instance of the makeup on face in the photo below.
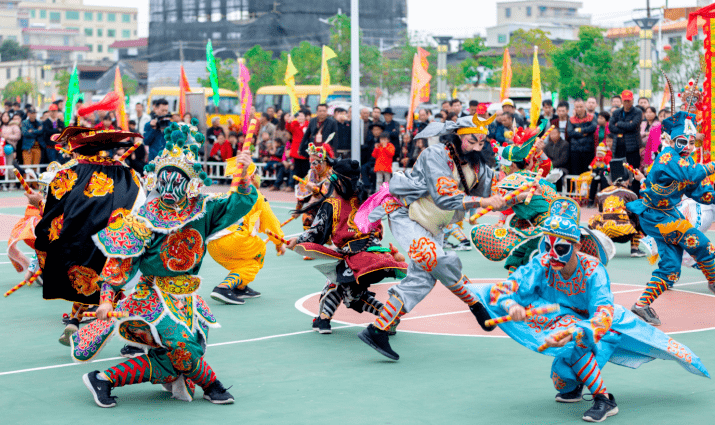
[172,186]
[559,250]
[472,142]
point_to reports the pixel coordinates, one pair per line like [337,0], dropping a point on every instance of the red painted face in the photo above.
[559,251]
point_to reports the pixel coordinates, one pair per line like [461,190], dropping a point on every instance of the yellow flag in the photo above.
[328,54]
[290,84]
[454,92]
[535,89]
[505,75]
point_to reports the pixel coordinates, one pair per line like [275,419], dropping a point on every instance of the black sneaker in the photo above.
[378,340]
[226,296]
[217,394]
[647,314]
[246,293]
[392,330]
[482,316]
[129,351]
[449,246]
[637,253]
[572,396]
[322,325]
[101,390]
[464,246]
[604,405]
[711,287]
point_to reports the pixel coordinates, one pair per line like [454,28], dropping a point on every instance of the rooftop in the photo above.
[633,31]
[124,44]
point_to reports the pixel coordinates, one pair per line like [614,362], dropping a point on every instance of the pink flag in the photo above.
[246,97]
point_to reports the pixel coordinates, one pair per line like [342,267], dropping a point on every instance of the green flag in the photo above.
[72,95]
[211,66]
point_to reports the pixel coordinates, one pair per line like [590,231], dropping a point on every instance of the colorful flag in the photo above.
[213,74]
[420,78]
[119,90]
[328,54]
[183,89]
[72,95]
[505,75]
[666,97]
[245,90]
[424,93]
[535,89]
[290,84]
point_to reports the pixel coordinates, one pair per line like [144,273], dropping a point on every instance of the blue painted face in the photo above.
[559,250]
[172,186]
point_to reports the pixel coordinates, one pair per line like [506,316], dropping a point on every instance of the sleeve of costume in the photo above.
[115,274]
[224,212]
[321,229]
[441,185]
[702,192]
[680,169]
[600,309]
[269,220]
[523,287]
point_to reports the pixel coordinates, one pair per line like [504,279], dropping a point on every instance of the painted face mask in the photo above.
[172,186]
[472,142]
[559,250]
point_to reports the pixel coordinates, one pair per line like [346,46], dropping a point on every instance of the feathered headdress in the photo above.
[523,141]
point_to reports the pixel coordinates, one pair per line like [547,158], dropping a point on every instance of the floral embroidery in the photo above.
[125,235]
[665,158]
[178,285]
[447,187]
[180,357]
[711,248]
[63,183]
[500,289]
[683,162]
[679,351]
[673,277]
[116,270]
[168,218]
[424,252]
[182,250]
[559,383]
[391,205]
[56,227]
[707,198]
[663,203]
[691,241]
[601,322]
[84,280]
[99,185]
[543,323]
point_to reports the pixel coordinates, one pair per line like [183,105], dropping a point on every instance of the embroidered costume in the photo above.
[165,241]
[318,177]
[614,220]
[601,331]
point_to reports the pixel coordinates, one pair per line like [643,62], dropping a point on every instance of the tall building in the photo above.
[86,30]
[560,19]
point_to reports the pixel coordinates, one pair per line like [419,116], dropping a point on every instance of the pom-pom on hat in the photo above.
[317,151]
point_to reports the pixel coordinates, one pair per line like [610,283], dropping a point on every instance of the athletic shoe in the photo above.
[217,394]
[101,390]
[711,287]
[226,296]
[321,325]
[130,351]
[246,293]
[572,396]
[604,405]
[647,314]
[66,336]
[463,246]
[637,253]
[392,330]
[378,340]
[482,316]
[449,246]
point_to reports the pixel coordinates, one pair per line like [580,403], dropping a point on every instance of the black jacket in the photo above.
[48,130]
[558,153]
[326,128]
[580,134]
[626,130]
[342,137]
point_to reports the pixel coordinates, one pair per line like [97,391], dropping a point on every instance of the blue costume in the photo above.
[601,330]
[674,174]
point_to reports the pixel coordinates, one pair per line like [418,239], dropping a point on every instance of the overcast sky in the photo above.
[462,17]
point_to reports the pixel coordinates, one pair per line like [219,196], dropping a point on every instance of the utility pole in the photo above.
[181,52]
[645,64]
[355,79]
[442,50]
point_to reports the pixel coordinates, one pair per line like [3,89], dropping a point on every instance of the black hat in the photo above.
[384,135]
[347,168]
[387,110]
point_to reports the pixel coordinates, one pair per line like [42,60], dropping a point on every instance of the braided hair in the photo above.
[458,164]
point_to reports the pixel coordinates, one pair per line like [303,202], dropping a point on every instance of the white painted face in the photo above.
[172,187]
[558,249]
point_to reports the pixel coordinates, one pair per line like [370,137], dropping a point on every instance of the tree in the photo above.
[370,57]
[129,85]
[10,50]
[262,66]
[19,87]
[63,81]
[521,46]
[225,73]
[307,59]
[455,76]
[681,63]
[474,67]
[590,67]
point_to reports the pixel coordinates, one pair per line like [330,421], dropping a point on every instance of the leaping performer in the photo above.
[448,179]
[165,241]
[589,330]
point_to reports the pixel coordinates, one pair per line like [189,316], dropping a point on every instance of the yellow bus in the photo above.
[277,96]
[229,105]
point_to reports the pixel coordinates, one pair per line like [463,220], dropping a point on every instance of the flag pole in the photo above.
[355,78]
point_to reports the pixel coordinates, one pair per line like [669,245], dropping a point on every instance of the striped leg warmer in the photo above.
[589,373]
[331,300]
[459,289]
[372,305]
[390,312]
[202,375]
[655,287]
[232,281]
[132,371]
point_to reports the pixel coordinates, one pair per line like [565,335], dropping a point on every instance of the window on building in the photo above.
[100,32]
[89,46]
[111,33]
[26,38]
[88,16]
[126,17]
[111,17]
[528,10]
[542,10]
[99,48]
[99,16]
[8,73]
[501,39]
[507,12]
[43,14]
[55,17]
[135,33]
[23,23]
[72,15]
[88,32]
[42,74]
[19,72]
[66,40]
[110,49]
[32,13]
[674,40]
[126,33]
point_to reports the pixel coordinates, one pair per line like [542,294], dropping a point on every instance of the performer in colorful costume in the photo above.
[240,249]
[164,240]
[674,174]
[361,259]
[614,220]
[82,196]
[589,330]
[447,180]
[315,183]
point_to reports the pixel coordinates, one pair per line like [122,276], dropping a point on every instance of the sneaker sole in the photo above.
[568,400]
[225,300]
[85,379]
[325,331]
[66,337]
[248,296]
[644,319]
[610,413]
[369,342]
[228,401]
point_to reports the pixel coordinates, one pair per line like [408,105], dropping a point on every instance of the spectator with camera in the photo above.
[154,129]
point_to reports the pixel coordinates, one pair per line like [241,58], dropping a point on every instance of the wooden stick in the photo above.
[629,168]
[27,282]
[534,186]
[529,312]
[473,219]
[304,182]
[273,235]
[288,221]
[558,336]
[24,184]
[240,175]
[111,314]
[59,148]
[130,151]
[532,151]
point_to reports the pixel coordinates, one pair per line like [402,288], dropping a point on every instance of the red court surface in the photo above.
[442,313]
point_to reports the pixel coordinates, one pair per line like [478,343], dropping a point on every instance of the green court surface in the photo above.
[283,372]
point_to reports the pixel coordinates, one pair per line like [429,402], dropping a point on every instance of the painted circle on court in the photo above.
[442,313]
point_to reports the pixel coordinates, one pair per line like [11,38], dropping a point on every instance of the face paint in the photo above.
[472,142]
[559,251]
[317,165]
[172,186]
